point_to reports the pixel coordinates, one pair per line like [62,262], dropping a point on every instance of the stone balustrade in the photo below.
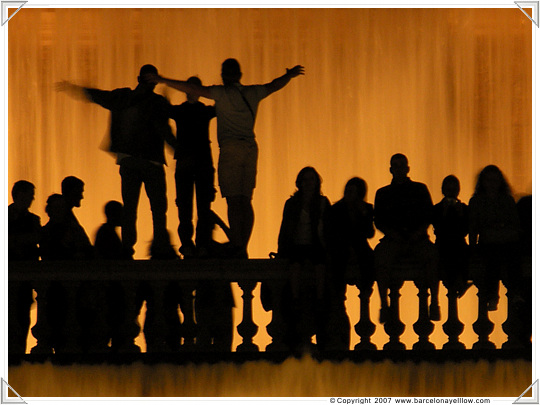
[89,280]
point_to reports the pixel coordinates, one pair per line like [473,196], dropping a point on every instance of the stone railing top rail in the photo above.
[178,270]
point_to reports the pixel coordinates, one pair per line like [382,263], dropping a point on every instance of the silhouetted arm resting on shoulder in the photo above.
[181,85]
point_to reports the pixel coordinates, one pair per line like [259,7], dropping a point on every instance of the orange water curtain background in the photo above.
[450,88]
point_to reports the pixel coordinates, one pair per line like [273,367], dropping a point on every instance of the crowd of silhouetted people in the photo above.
[318,240]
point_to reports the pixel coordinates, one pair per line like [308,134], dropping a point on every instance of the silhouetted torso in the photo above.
[65,240]
[235,120]
[349,229]
[192,120]
[139,121]
[23,234]
[450,223]
[291,237]
[495,220]
[108,244]
[524,207]
[404,208]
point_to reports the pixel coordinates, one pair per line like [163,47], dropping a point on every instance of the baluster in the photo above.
[513,326]
[365,328]
[277,327]
[483,325]
[423,326]
[394,328]
[126,311]
[95,336]
[155,326]
[453,327]
[247,329]
[189,326]
[42,329]
[71,332]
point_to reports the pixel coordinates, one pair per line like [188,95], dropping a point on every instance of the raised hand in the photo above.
[64,85]
[73,90]
[296,71]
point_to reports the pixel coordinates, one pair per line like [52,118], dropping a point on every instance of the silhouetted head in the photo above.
[56,207]
[113,212]
[146,69]
[355,190]
[491,181]
[451,187]
[230,71]
[190,96]
[308,181]
[22,193]
[399,167]
[72,190]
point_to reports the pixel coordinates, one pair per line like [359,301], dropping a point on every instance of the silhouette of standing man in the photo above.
[194,172]
[24,229]
[236,109]
[403,212]
[139,127]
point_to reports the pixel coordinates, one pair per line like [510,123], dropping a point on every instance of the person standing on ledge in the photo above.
[139,127]
[236,109]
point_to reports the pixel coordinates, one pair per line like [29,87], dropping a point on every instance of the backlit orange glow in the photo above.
[450,88]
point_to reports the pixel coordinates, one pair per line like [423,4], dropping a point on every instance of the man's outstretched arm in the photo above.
[105,98]
[181,85]
[73,90]
[280,82]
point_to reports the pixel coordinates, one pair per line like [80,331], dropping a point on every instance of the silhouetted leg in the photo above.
[237,170]
[223,336]
[429,254]
[384,255]
[492,274]
[336,321]
[223,318]
[204,329]
[172,320]
[184,202]
[57,314]
[241,219]
[116,311]
[249,220]
[188,328]
[131,190]
[156,190]
[20,302]
[204,184]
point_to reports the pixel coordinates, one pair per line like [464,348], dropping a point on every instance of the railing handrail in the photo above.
[180,270]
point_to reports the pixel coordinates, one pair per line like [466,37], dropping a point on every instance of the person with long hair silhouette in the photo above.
[348,226]
[495,233]
[301,242]
[451,227]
